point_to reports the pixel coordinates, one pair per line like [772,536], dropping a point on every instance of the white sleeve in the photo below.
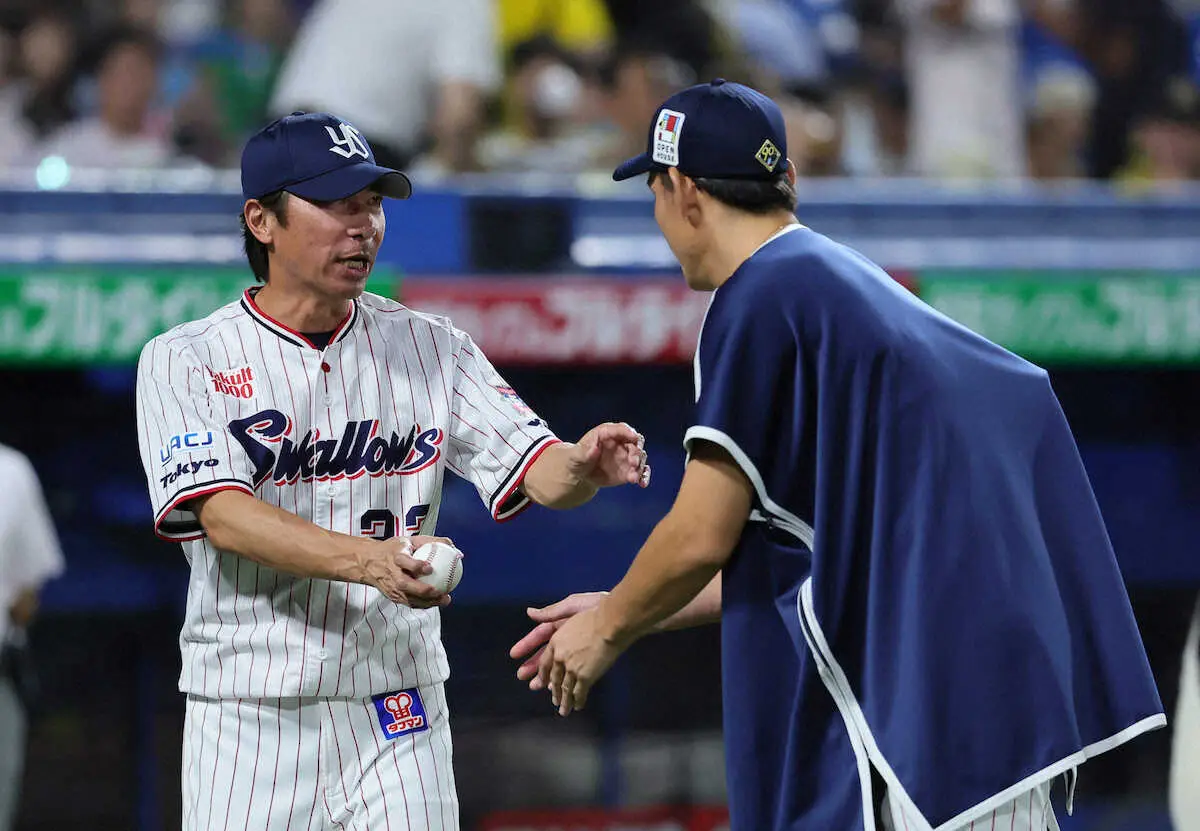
[186,450]
[466,48]
[30,552]
[494,437]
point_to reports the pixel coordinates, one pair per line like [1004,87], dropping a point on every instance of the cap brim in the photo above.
[347,181]
[639,164]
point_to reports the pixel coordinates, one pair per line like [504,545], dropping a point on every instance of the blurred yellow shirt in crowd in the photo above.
[581,25]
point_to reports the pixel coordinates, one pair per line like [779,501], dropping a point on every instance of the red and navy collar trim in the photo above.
[289,334]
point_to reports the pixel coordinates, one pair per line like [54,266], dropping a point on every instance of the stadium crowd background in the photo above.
[1049,89]
[1078,120]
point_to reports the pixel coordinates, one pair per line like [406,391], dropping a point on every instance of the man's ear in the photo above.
[791,172]
[687,194]
[258,221]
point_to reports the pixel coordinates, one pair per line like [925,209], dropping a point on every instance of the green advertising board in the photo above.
[78,316]
[1059,317]
[74,316]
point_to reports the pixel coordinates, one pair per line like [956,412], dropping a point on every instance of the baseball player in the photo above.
[29,557]
[922,618]
[295,441]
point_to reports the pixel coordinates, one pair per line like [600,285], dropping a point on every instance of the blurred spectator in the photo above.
[681,29]
[1185,746]
[410,74]
[1059,123]
[963,77]
[814,135]
[29,556]
[1166,140]
[38,102]
[551,120]
[118,135]
[1135,48]
[874,98]
[179,26]
[793,44]
[580,26]
[237,66]
[635,80]
[875,126]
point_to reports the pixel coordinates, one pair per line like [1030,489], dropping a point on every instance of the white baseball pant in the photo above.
[319,764]
[1031,811]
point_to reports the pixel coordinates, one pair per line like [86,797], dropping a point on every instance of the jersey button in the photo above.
[328,400]
[325,366]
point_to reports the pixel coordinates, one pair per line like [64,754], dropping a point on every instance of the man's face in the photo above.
[676,212]
[328,248]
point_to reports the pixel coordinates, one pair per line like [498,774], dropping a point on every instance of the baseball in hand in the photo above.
[447,565]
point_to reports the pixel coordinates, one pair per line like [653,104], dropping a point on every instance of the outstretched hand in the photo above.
[611,454]
[549,619]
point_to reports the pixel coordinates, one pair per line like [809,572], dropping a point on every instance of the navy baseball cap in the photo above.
[315,156]
[718,130]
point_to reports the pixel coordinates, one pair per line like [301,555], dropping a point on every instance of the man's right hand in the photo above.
[548,619]
[395,572]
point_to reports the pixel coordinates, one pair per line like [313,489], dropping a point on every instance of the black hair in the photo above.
[755,196]
[257,253]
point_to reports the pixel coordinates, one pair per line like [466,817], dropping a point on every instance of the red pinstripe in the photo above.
[351,531]
[296,496]
[237,748]
[296,501]
[421,630]
[362,773]
[437,354]
[278,752]
[216,603]
[411,656]
[337,746]
[428,657]
[470,425]
[233,311]
[491,424]
[403,790]
[379,779]
[319,788]
[250,638]
[386,482]
[316,775]
[396,414]
[212,782]
[275,579]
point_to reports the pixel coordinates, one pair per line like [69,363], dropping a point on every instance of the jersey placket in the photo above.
[324,496]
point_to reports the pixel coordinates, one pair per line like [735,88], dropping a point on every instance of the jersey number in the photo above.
[382,524]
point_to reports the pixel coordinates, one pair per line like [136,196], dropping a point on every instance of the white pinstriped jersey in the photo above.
[354,437]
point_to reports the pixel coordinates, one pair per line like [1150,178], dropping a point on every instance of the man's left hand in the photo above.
[610,454]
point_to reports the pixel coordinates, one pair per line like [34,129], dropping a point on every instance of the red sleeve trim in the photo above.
[501,510]
[194,492]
